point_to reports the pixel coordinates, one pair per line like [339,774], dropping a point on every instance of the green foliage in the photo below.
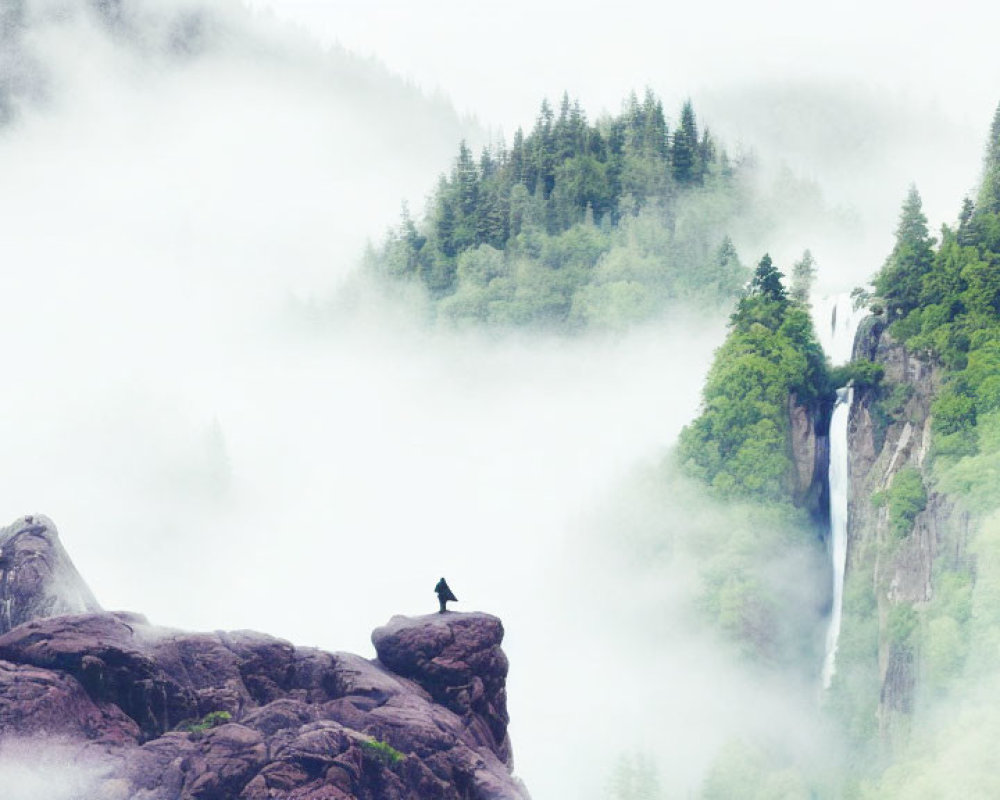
[943,651]
[211,720]
[952,753]
[943,637]
[949,307]
[863,374]
[381,752]
[899,281]
[900,625]
[739,444]
[766,282]
[976,476]
[906,497]
[577,225]
[748,558]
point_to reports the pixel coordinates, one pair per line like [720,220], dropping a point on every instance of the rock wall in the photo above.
[809,440]
[890,429]
[170,715]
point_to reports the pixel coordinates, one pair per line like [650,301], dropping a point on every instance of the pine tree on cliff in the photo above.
[989,192]
[766,281]
[899,281]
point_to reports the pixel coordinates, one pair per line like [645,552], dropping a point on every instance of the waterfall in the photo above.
[836,323]
[838,523]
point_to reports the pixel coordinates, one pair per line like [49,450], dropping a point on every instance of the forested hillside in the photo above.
[739,444]
[578,224]
[946,303]
[913,698]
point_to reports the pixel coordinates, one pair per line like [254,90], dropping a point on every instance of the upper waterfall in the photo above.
[836,321]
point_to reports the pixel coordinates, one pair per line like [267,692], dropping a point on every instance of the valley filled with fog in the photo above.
[233,429]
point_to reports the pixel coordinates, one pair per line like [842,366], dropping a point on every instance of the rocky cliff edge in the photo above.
[165,714]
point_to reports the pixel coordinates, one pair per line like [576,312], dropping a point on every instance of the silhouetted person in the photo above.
[444,594]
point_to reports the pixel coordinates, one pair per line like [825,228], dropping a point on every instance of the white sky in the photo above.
[864,98]
[497,59]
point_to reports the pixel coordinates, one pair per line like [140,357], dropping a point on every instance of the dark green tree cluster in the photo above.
[577,223]
[946,302]
[740,442]
[900,280]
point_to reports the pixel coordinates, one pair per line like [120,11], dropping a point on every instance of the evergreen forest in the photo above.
[577,224]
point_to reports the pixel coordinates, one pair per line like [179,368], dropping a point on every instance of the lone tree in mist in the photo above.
[899,282]
[766,281]
[803,277]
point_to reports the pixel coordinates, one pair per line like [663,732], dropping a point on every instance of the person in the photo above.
[444,594]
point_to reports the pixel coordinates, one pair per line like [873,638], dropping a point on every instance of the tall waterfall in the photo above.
[838,523]
[836,324]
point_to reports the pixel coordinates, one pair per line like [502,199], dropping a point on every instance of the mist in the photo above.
[226,443]
[36,768]
[222,445]
[861,100]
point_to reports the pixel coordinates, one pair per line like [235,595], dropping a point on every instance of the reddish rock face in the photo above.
[427,721]
[458,660]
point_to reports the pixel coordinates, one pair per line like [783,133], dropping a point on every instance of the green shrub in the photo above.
[209,721]
[862,373]
[906,498]
[382,752]
[900,624]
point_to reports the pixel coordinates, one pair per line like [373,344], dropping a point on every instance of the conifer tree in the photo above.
[466,180]
[684,153]
[517,158]
[989,193]
[803,277]
[558,197]
[706,154]
[900,279]
[445,220]
[766,281]
[966,234]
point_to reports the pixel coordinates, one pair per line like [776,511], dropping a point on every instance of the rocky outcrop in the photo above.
[220,716]
[37,577]
[889,430]
[809,442]
[810,452]
[458,661]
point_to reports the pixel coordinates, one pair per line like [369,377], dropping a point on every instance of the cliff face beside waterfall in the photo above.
[901,531]
[809,443]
